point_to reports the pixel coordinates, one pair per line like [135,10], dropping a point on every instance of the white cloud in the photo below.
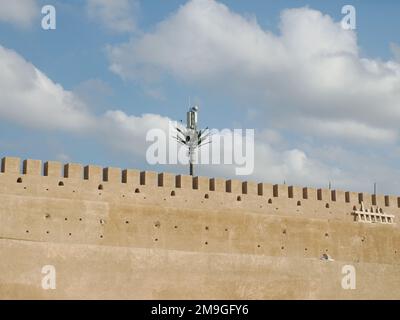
[395,48]
[293,166]
[20,13]
[29,98]
[115,15]
[312,68]
[307,73]
[343,129]
[127,133]
[94,93]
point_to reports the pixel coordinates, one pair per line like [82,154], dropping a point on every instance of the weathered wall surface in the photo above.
[130,234]
[107,272]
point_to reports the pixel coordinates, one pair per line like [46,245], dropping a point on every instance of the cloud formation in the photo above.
[395,48]
[115,15]
[32,100]
[310,78]
[29,98]
[312,68]
[20,13]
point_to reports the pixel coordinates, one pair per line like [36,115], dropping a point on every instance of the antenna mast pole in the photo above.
[192,137]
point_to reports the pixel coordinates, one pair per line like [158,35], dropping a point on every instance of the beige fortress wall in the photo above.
[113,233]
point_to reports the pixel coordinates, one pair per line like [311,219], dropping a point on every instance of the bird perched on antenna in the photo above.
[191,137]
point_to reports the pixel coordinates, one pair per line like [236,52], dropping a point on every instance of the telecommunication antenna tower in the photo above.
[192,137]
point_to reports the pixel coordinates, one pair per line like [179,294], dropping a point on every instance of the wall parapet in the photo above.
[94,173]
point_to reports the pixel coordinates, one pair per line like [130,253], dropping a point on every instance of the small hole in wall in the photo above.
[137,190]
[101,236]
[123,196]
[206,243]
[73,191]
[99,193]
[100,187]
[19,180]
[47,216]
[284,231]
[299,203]
[47,232]
[269,201]
[157,224]
[47,189]
[24,188]
[282,248]
[66,219]
[258,246]
[206,228]
[326,250]
[305,249]
[326,234]
[80,219]
[239,198]
[61,184]
[102,221]
[126,222]
[27,231]
[172,193]
[155,239]
[70,234]
[226,229]
[206,196]
[176,227]
[327,205]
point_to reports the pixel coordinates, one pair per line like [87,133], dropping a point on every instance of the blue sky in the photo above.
[264,78]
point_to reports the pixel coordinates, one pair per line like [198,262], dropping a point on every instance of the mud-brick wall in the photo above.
[160,230]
